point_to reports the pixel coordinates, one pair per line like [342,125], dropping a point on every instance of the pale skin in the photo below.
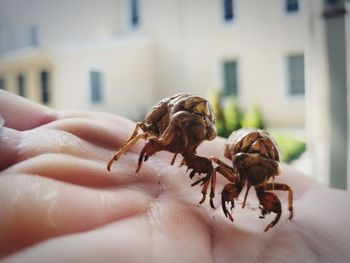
[58,202]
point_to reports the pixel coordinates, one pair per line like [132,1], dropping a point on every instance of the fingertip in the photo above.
[22,114]
[9,141]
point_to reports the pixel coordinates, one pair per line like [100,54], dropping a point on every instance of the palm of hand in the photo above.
[57,195]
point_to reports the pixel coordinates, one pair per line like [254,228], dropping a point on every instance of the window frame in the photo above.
[102,90]
[224,13]
[45,95]
[2,83]
[33,37]
[291,11]
[21,85]
[224,79]
[289,80]
[134,14]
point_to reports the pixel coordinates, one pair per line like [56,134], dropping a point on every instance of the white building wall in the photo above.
[192,41]
[29,63]
[127,76]
[164,22]
[59,22]
[317,95]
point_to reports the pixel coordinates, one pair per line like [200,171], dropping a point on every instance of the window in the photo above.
[33,36]
[45,86]
[2,84]
[228,10]
[135,19]
[21,85]
[296,75]
[292,6]
[332,2]
[96,86]
[230,78]
[334,8]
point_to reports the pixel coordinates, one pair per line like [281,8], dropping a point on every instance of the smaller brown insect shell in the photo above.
[252,140]
[255,159]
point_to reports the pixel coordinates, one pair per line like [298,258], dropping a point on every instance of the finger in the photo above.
[165,234]
[9,140]
[35,208]
[18,146]
[22,114]
[111,134]
[93,115]
[78,137]
[84,172]
[114,241]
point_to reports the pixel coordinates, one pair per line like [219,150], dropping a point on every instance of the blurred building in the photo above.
[122,56]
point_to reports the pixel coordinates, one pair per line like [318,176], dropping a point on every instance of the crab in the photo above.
[178,124]
[255,160]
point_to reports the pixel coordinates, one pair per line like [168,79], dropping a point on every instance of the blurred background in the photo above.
[282,65]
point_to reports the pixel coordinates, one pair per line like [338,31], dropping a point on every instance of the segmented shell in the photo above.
[252,140]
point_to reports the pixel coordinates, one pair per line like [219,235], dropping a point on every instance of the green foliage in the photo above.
[253,118]
[215,98]
[232,116]
[291,146]
[229,118]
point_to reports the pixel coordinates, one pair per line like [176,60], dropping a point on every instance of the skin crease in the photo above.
[58,203]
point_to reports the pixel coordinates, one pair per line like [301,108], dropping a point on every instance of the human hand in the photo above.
[58,202]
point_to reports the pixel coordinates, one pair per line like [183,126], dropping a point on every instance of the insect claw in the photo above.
[203,182]
[173,160]
[290,215]
[230,217]
[212,203]
[197,182]
[225,210]
[203,198]
[109,165]
[192,173]
[232,206]
[183,162]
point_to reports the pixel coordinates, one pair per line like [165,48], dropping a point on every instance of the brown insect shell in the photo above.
[251,140]
[183,121]
[197,115]
[161,114]
[158,118]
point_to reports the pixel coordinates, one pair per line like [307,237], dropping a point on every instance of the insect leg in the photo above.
[204,191]
[152,146]
[174,157]
[212,189]
[134,133]
[199,165]
[269,203]
[283,187]
[246,195]
[126,147]
[227,195]
[225,170]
